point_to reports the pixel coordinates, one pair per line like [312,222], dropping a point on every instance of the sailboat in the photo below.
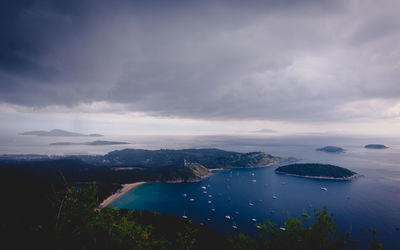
[184,215]
[234,225]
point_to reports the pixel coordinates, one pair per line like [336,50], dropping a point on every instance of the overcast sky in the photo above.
[276,66]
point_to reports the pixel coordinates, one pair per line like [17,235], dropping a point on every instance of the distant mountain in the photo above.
[58,133]
[331,149]
[375,146]
[92,143]
[314,170]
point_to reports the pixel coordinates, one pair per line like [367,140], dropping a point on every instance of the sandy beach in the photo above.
[119,193]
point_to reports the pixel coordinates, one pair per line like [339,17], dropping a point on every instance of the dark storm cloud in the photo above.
[274,60]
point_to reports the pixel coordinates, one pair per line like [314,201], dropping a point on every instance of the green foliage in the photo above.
[314,169]
[373,241]
[295,235]
[80,225]
[210,158]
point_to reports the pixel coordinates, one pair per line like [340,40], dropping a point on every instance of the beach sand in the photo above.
[119,193]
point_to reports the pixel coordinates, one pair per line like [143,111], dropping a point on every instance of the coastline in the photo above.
[119,193]
[322,177]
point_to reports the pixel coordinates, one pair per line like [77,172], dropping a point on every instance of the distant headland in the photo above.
[317,171]
[91,143]
[375,146]
[58,133]
[331,149]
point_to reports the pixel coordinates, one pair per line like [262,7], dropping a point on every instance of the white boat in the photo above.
[254,220]
[204,187]
[208,219]
[191,199]
[254,181]
[212,208]
[204,192]
[274,197]
[236,212]
[252,174]
[282,228]
[184,215]
[258,227]
[324,189]
[251,204]
[184,195]
[234,225]
[227,217]
[209,202]
[209,195]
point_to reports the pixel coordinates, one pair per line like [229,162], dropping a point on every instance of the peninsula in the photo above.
[375,146]
[331,149]
[317,171]
[91,143]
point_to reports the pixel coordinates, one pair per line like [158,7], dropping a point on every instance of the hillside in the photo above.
[210,158]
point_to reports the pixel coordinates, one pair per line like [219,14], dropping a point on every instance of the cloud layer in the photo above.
[307,60]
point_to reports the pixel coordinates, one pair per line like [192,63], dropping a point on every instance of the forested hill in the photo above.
[210,158]
[316,170]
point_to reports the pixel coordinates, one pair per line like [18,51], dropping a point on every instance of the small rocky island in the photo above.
[317,171]
[331,149]
[375,146]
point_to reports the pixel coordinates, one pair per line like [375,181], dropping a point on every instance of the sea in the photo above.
[251,196]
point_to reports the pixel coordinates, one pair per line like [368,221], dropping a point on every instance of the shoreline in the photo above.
[322,177]
[119,193]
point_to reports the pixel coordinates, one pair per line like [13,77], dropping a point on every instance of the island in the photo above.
[317,171]
[375,146]
[58,133]
[92,143]
[331,149]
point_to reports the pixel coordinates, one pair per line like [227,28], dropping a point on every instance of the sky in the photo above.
[270,67]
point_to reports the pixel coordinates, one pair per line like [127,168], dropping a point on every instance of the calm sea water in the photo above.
[372,201]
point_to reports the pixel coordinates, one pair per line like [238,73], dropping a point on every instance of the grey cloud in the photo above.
[265,60]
